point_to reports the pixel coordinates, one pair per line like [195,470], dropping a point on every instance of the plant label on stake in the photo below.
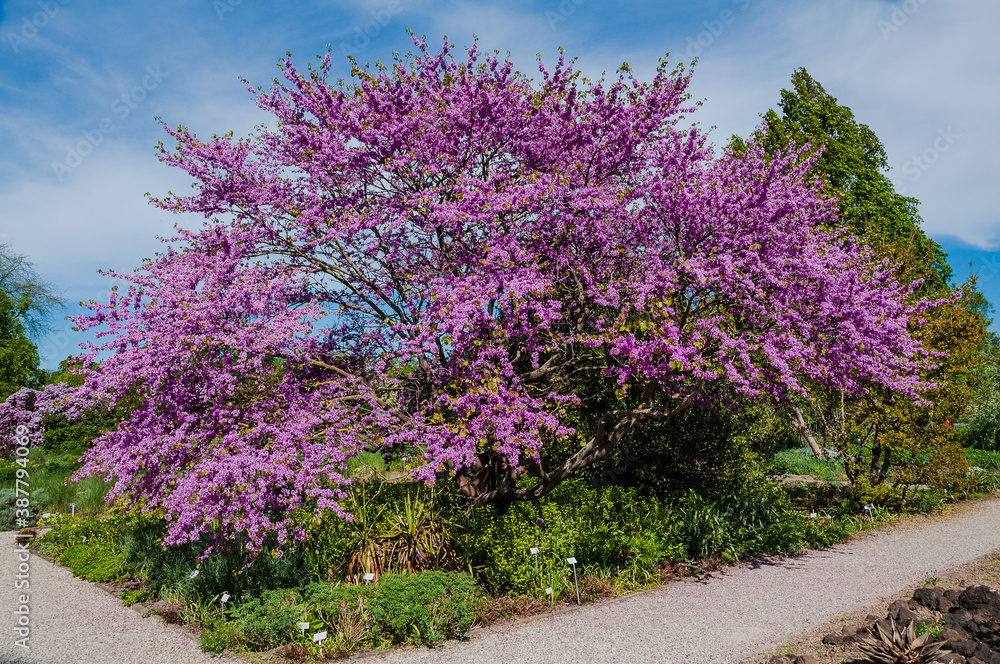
[812,515]
[534,552]
[303,626]
[870,507]
[368,577]
[572,561]
[72,509]
[193,574]
[224,598]
[319,637]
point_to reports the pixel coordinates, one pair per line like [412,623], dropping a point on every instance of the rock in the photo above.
[849,630]
[896,607]
[952,595]
[782,659]
[980,597]
[950,634]
[974,660]
[951,658]
[965,648]
[928,597]
[833,639]
[935,598]
[984,653]
[958,614]
[806,659]
[871,620]
[906,614]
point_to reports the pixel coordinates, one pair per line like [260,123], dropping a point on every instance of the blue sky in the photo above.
[81,84]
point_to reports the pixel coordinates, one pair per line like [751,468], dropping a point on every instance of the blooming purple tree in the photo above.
[436,256]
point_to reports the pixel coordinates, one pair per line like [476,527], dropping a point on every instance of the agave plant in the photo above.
[901,647]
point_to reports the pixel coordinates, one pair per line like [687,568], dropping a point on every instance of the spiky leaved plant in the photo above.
[901,647]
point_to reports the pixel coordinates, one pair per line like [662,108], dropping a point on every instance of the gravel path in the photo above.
[75,622]
[745,612]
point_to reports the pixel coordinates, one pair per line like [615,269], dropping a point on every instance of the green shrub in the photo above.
[92,562]
[269,621]
[428,607]
[223,636]
[8,510]
[130,597]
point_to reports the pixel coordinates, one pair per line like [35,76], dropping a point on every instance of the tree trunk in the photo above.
[804,429]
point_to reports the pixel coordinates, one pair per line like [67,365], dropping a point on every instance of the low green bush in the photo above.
[223,636]
[428,607]
[130,597]
[269,621]
[93,562]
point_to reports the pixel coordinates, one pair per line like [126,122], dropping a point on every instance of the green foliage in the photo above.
[130,597]
[987,479]
[269,621]
[18,355]
[713,453]
[853,167]
[424,608]
[93,562]
[396,526]
[223,636]
[803,462]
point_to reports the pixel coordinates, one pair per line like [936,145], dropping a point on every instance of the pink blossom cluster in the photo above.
[437,255]
[29,408]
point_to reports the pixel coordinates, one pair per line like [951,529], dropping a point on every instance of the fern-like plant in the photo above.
[897,646]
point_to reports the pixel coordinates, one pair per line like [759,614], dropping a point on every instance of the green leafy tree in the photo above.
[32,297]
[18,355]
[853,167]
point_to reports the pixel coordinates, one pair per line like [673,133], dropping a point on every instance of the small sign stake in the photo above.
[534,552]
[193,574]
[319,637]
[572,561]
[303,626]
[225,598]
[72,509]
[870,507]
[368,577]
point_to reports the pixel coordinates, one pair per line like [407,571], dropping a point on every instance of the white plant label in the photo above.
[571,561]
[225,597]
[368,577]
[303,626]
[812,514]
[47,515]
[534,550]
[548,591]
[319,636]
[193,574]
